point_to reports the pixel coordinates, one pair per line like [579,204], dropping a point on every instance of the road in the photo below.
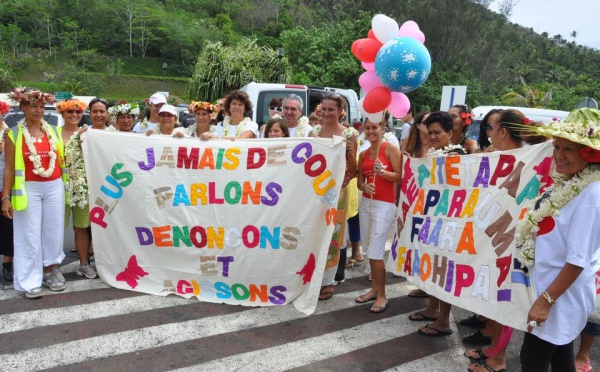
[91,326]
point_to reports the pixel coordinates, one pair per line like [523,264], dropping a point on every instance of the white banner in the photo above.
[460,215]
[245,222]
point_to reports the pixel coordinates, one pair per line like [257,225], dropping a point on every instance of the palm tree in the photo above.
[533,97]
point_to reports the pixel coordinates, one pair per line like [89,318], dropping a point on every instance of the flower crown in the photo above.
[207,106]
[72,104]
[4,108]
[31,96]
[467,117]
[581,126]
[124,108]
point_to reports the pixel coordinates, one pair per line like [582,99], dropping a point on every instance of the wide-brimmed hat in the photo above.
[581,126]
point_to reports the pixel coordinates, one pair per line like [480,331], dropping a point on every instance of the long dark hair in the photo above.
[483,141]
[413,141]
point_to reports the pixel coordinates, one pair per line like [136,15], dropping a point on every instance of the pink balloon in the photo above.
[368,66]
[369,80]
[411,29]
[399,105]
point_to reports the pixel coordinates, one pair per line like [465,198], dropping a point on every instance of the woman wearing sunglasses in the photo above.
[275,107]
[76,203]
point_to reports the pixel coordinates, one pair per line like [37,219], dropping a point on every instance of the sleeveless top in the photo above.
[385,190]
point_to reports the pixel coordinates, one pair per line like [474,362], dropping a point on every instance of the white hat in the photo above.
[158,98]
[168,108]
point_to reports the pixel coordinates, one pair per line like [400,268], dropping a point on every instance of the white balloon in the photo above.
[384,28]
[360,107]
[376,117]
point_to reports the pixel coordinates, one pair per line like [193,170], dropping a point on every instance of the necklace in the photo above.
[561,193]
[193,129]
[33,155]
[445,151]
[240,126]
[301,128]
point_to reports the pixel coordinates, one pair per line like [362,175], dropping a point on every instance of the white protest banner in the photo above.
[245,222]
[460,215]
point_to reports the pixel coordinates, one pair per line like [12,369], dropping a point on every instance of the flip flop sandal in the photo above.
[375,309]
[362,300]
[324,296]
[351,263]
[479,352]
[417,293]
[586,367]
[420,317]
[487,367]
[438,333]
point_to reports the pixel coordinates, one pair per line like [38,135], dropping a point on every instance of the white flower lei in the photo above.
[240,127]
[561,193]
[193,129]
[445,151]
[111,128]
[347,133]
[301,128]
[33,155]
[125,108]
[76,185]
[4,127]
[181,130]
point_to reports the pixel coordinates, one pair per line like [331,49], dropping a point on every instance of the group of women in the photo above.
[562,263]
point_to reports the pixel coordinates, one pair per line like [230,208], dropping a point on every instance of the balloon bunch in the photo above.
[396,62]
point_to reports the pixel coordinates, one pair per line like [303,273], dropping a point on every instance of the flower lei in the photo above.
[125,108]
[76,185]
[4,128]
[467,117]
[111,128]
[4,108]
[32,96]
[240,127]
[33,155]
[71,104]
[301,128]
[347,133]
[193,129]
[206,106]
[156,130]
[445,151]
[550,204]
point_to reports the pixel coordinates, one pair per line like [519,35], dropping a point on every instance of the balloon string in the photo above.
[373,195]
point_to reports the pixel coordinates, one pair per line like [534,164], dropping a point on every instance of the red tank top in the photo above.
[384,190]
[43,150]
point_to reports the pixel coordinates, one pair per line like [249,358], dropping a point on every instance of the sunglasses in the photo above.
[275,108]
[489,128]
[78,112]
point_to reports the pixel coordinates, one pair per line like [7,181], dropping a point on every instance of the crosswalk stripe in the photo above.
[150,337]
[69,314]
[313,349]
[72,286]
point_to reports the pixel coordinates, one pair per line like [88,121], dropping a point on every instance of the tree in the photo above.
[221,69]
[532,97]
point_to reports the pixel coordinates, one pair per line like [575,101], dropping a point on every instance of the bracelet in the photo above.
[548,298]
[5,197]
[362,187]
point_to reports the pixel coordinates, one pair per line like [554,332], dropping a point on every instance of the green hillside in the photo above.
[116,48]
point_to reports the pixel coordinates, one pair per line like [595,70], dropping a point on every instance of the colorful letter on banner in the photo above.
[459,217]
[245,222]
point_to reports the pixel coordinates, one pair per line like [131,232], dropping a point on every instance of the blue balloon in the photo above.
[403,64]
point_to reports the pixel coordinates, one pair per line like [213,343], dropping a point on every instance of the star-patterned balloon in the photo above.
[403,64]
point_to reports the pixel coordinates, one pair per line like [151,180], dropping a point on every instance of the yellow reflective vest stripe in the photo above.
[19,194]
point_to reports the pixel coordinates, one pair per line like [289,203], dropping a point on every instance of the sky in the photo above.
[560,17]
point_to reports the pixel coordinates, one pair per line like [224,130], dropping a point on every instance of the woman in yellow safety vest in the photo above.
[36,202]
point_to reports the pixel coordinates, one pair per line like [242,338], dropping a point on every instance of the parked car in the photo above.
[542,115]
[261,94]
